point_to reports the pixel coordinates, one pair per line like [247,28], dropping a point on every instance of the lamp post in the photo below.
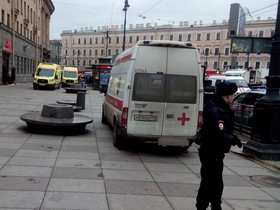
[126,5]
[107,40]
[265,136]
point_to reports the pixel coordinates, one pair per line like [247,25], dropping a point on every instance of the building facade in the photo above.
[55,50]
[24,36]
[83,48]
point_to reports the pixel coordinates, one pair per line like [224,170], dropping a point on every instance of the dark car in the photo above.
[243,107]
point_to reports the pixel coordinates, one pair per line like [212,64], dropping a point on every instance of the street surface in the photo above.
[87,172]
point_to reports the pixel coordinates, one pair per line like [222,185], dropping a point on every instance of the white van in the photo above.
[242,85]
[155,93]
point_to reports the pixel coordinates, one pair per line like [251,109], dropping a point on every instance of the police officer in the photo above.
[217,139]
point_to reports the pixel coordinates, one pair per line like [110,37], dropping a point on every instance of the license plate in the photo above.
[41,84]
[150,118]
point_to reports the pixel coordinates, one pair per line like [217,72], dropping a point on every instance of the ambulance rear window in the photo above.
[165,88]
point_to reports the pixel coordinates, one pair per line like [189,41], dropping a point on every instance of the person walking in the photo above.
[216,140]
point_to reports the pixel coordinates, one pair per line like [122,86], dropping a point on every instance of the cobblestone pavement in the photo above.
[52,172]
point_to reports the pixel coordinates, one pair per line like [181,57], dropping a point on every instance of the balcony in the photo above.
[16,11]
[26,21]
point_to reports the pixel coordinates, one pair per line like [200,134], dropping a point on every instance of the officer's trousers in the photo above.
[211,186]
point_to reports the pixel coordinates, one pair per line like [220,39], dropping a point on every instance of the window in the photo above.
[168,88]
[102,40]
[216,51]
[130,39]
[102,52]
[226,51]
[96,52]
[250,33]
[144,37]
[66,41]
[215,65]
[225,64]
[8,20]
[180,37]
[208,36]
[117,51]
[90,52]
[85,52]
[218,36]
[137,38]
[171,37]
[261,34]
[118,39]
[85,40]
[66,52]
[73,52]
[84,62]
[272,32]
[161,37]
[109,51]
[207,51]
[257,65]
[198,37]
[189,37]
[90,40]
[96,40]
[268,65]
[3,16]
[152,37]
[109,40]
[73,41]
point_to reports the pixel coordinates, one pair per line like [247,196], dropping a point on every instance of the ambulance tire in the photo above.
[117,139]
[103,118]
[184,149]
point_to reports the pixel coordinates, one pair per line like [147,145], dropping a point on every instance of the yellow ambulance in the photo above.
[69,76]
[47,75]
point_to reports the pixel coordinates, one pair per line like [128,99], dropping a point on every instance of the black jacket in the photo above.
[217,128]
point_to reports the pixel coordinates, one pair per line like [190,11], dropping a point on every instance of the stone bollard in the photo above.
[81,99]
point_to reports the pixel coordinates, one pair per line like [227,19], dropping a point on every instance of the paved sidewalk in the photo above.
[87,172]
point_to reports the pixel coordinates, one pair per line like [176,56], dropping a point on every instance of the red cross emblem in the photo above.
[183,119]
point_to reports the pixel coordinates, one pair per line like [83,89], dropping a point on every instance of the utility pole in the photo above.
[126,5]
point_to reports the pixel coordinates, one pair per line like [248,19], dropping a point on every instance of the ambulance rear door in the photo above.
[181,106]
[146,103]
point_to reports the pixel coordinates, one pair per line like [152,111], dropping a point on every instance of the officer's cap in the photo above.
[226,88]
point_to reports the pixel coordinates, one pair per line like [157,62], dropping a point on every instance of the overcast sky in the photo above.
[77,14]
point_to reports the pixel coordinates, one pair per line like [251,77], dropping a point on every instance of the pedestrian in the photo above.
[216,140]
[209,90]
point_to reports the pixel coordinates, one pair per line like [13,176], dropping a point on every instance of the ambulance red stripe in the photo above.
[115,102]
[124,58]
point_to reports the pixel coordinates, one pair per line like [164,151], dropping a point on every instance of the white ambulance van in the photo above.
[242,85]
[155,93]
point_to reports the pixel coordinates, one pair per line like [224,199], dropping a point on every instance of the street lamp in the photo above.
[107,40]
[126,5]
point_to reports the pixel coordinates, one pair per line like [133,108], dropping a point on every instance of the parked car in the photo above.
[243,107]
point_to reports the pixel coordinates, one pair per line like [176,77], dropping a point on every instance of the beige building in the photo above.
[24,36]
[83,47]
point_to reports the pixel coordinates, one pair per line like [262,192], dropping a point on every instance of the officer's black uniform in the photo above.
[217,139]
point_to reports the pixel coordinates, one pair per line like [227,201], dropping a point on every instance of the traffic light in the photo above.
[217,71]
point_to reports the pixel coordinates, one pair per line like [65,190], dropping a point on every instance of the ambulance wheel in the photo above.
[104,119]
[117,139]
